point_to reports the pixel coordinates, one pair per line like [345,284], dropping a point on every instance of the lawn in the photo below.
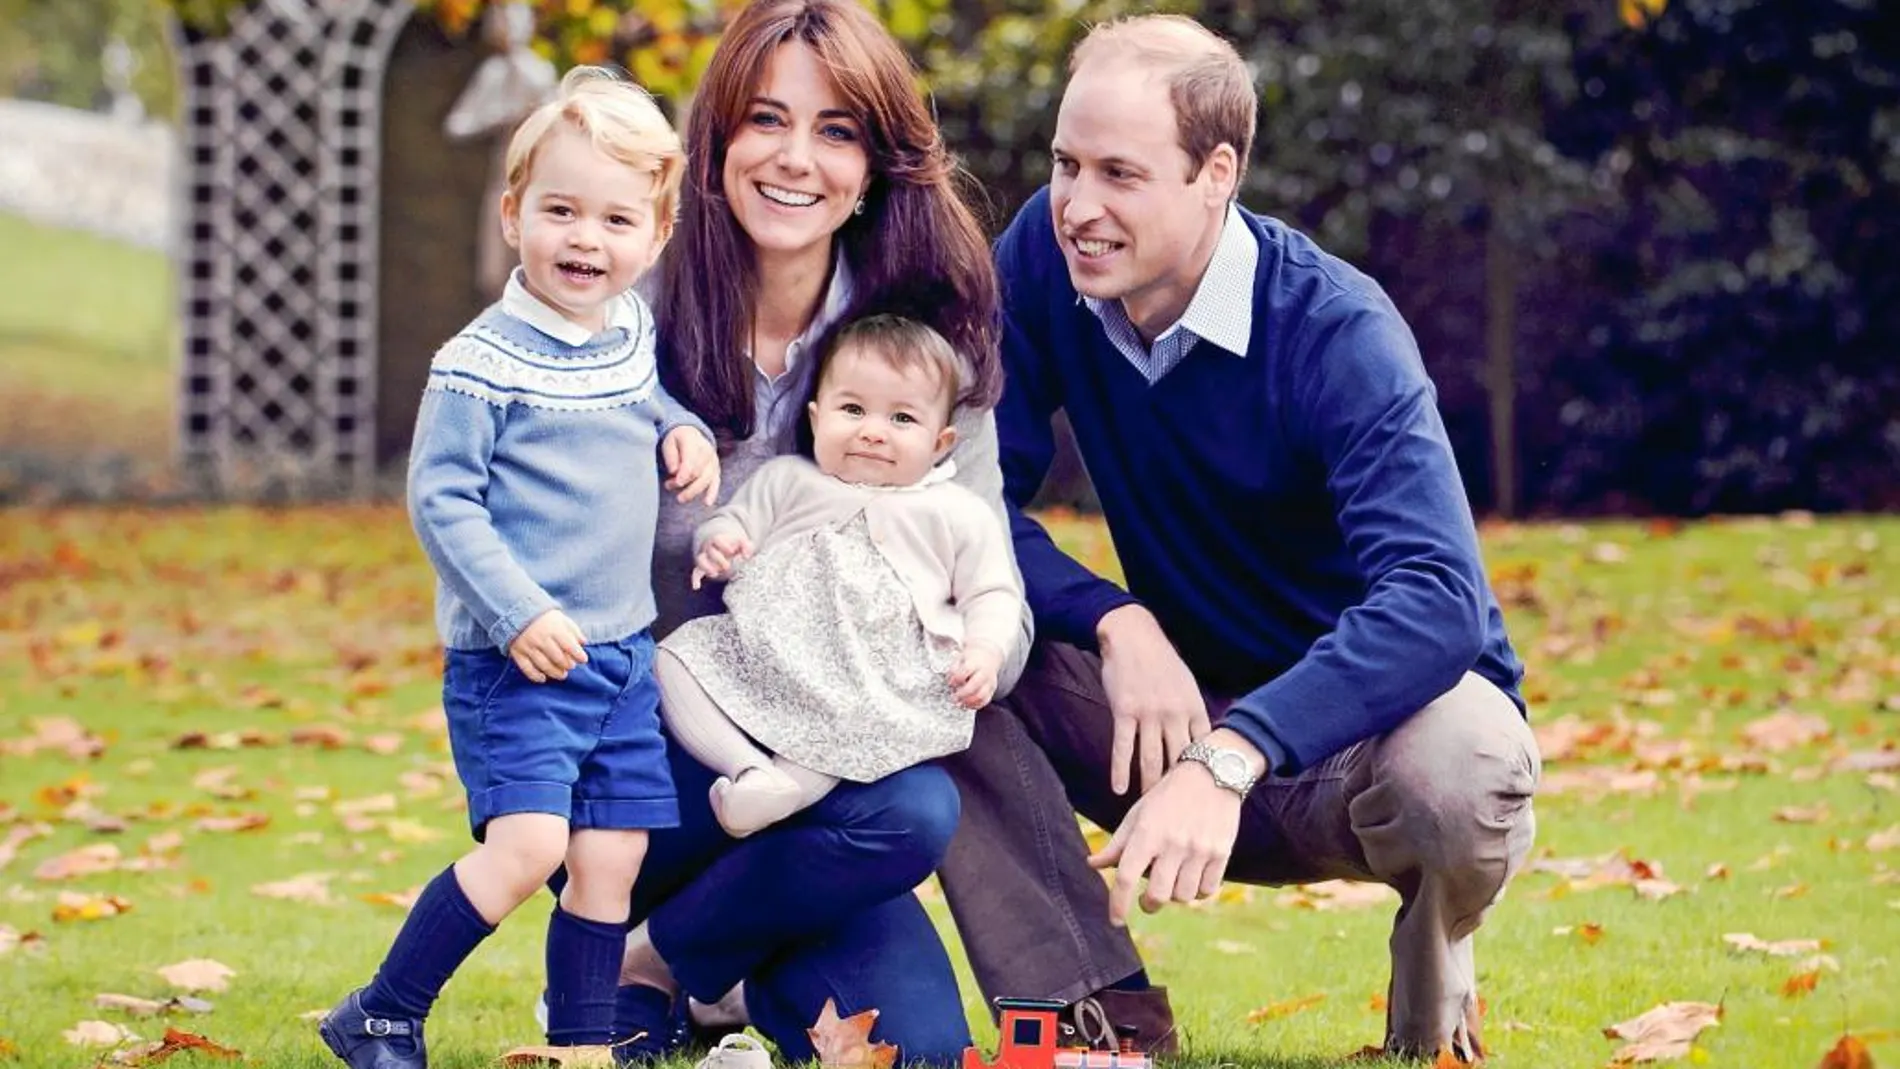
[87,352]
[236,713]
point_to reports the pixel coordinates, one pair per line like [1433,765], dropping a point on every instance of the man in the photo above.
[1308,676]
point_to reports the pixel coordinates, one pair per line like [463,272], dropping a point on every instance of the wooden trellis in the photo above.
[281,134]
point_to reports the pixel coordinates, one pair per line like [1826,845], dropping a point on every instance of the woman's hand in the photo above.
[692,465]
[718,556]
[973,677]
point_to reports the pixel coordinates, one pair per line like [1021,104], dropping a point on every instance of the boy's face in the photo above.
[878,424]
[1132,225]
[585,226]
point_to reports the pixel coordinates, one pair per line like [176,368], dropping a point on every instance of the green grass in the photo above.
[146,626]
[87,349]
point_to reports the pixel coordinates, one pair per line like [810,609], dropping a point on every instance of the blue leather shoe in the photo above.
[658,1020]
[368,1042]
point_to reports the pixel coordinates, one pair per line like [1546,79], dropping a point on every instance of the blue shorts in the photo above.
[587,748]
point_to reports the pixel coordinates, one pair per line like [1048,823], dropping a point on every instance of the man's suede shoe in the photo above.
[365,1041]
[1108,1019]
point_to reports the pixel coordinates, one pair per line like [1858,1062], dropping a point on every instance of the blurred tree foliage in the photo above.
[54,51]
[1645,244]
[1750,357]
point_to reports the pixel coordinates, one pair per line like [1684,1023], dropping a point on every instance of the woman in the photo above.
[818,189]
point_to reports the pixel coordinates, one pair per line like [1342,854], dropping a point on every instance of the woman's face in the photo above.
[797,164]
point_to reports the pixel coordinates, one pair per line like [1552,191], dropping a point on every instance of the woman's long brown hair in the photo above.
[917,248]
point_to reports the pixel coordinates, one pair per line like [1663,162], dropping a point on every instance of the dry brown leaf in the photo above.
[580,1057]
[97,1034]
[132,1004]
[1276,1010]
[11,939]
[1802,814]
[17,836]
[198,974]
[402,900]
[311,887]
[1801,984]
[86,861]
[218,783]
[1848,1053]
[356,807]
[845,1043]
[1886,839]
[1781,948]
[385,744]
[72,906]
[235,822]
[174,1041]
[1785,731]
[1331,895]
[410,831]
[1663,1033]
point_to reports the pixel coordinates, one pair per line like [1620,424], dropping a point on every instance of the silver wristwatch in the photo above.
[1230,768]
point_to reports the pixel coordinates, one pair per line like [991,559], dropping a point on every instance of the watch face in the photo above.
[1228,766]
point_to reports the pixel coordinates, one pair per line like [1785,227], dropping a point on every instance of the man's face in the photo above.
[1132,225]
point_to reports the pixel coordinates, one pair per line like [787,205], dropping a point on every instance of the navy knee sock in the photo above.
[442,930]
[583,978]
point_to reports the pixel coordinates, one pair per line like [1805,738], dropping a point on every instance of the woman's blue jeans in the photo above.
[817,907]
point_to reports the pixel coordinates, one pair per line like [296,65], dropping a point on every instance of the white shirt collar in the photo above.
[532,310]
[1221,310]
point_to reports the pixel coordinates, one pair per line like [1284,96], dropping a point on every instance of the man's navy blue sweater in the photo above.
[1293,518]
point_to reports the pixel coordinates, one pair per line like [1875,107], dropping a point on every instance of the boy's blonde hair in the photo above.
[623,122]
[903,344]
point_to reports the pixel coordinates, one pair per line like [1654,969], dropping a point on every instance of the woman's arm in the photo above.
[979,471]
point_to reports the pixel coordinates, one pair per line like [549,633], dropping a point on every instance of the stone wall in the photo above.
[80,169]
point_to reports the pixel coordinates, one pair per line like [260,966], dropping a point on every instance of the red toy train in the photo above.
[1030,1041]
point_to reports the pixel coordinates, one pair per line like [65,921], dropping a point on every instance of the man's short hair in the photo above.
[1208,83]
[623,122]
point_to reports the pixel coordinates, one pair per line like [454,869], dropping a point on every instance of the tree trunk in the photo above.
[1500,333]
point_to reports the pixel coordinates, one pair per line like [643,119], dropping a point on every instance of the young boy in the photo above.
[533,489]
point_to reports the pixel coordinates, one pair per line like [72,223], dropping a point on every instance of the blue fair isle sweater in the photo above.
[1293,517]
[534,477]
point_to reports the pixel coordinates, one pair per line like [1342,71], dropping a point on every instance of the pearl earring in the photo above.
[859,210]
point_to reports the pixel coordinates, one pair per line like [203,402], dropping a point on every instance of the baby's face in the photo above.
[877,424]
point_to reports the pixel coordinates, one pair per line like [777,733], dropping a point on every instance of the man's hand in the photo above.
[973,677]
[1179,835]
[1157,705]
[692,465]
[548,647]
[718,556]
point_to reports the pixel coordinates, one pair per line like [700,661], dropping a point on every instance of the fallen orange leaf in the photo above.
[845,1043]
[174,1041]
[1289,1007]
[77,907]
[1800,985]
[1848,1053]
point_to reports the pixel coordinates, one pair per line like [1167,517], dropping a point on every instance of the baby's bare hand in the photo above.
[973,677]
[718,557]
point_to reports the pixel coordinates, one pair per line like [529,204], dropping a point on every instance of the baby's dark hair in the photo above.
[903,344]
